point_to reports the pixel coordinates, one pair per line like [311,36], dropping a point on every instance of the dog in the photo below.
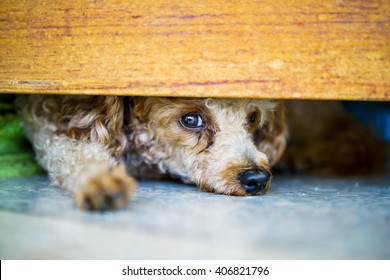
[97,147]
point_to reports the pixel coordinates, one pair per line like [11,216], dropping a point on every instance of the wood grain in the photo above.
[333,49]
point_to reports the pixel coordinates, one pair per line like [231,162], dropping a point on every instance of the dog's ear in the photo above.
[271,139]
[94,118]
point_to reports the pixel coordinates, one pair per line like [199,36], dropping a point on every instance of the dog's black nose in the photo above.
[254,181]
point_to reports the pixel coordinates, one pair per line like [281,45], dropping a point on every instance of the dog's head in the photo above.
[222,145]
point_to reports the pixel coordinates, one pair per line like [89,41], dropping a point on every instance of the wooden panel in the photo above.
[333,49]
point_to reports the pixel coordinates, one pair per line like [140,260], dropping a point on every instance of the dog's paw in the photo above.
[106,191]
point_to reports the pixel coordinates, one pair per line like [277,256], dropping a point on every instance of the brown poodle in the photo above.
[94,146]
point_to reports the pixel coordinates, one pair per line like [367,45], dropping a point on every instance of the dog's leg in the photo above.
[88,171]
[86,168]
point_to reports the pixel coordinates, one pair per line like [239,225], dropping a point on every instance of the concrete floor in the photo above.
[300,218]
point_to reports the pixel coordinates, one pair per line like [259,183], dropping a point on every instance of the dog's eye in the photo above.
[252,117]
[192,120]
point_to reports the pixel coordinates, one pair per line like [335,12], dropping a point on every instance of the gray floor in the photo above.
[300,218]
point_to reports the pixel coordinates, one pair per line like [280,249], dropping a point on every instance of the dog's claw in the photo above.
[105,201]
[106,191]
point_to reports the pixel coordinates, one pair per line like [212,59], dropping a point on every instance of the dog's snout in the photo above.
[255,182]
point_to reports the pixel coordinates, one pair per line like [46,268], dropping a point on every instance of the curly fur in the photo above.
[94,145]
[326,141]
